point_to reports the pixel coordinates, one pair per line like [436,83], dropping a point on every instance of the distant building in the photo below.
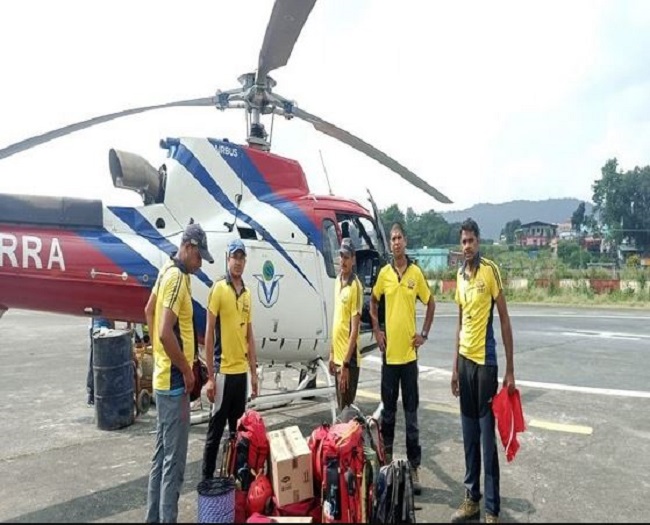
[430,259]
[536,234]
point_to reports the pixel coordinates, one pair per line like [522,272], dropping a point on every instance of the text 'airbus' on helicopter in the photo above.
[82,257]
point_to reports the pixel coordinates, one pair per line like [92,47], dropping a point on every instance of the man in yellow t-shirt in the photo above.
[230,353]
[169,316]
[475,373]
[345,355]
[401,283]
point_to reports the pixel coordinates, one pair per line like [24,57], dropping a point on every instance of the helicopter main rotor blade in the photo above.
[66,130]
[287,20]
[371,151]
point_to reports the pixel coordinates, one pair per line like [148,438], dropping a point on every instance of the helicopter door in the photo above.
[288,309]
[383,250]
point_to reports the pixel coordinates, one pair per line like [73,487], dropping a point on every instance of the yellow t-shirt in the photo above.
[172,291]
[348,302]
[400,309]
[476,296]
[233,313]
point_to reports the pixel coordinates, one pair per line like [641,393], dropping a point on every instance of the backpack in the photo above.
[315,444]
[251,447]
[342,464]
[394,502]
[374,452]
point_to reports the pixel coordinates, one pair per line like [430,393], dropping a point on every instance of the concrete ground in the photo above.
[584,458]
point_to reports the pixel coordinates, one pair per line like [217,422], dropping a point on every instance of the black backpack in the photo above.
[394,502]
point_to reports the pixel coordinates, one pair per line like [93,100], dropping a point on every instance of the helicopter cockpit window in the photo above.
[361,230]
[330,248]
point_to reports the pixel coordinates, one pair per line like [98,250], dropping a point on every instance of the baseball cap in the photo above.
[347,248]
[236,245]
[195,235]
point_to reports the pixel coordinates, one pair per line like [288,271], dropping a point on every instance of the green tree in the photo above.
[509,230]
[578,217]
[622,200]
[390,216]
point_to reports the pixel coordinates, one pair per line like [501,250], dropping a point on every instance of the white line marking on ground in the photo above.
[431,370]
[454,410]
[606,335]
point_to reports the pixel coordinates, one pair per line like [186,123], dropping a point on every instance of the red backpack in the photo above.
[342,466]
[315,444]
[252,444]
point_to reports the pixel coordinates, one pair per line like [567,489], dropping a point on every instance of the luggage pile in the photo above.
[337,475]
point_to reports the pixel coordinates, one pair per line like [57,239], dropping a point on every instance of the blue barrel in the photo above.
[114,379]
[216,500]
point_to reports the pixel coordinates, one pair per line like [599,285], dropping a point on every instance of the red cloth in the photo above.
[510,420]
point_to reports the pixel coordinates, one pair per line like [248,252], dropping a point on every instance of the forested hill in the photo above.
[493,217]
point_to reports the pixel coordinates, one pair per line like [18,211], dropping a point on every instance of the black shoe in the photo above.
[91,401]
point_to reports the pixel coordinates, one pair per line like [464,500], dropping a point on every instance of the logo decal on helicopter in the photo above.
[268,285]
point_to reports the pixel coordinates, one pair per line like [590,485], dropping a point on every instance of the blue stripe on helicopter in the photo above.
[140,225]
[132,263]
[246,170]
[193,165]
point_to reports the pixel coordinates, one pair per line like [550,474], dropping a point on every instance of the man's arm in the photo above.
[252,360]
[208,342]
[506,333]
[352,348]
[455,387]
[172,347]
[418,339]
[148,312]
[374,316]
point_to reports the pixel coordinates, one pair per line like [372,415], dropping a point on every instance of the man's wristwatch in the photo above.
[346,364]
[424,335]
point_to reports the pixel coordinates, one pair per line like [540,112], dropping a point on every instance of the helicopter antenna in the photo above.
[325,170]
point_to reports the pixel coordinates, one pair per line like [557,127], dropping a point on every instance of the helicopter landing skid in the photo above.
[286,397]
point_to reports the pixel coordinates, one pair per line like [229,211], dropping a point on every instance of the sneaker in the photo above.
[415,477]
[491,518]
[469,509]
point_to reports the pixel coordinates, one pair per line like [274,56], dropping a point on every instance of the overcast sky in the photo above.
[487,101]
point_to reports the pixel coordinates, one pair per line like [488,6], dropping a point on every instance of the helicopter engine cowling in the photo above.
[133,172]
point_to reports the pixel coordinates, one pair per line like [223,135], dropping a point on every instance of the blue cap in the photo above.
[236,245]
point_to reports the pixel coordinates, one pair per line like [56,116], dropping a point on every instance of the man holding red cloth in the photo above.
[475,372]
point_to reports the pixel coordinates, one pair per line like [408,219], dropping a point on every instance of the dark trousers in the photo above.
[478,385]
[392,376]
[346,398]
[231,404]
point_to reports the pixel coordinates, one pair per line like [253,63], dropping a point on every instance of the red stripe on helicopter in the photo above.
[59,270]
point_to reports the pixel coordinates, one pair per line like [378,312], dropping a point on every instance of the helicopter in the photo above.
[86,258]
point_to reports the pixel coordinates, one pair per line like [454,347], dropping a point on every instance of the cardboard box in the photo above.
[291,474]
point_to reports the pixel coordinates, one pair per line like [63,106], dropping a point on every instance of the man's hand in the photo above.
[211,389]
[455,385]
[381,340]
[254,386]
[345,379]
[509,381]
[332,366]
[417,341]
[188,378]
